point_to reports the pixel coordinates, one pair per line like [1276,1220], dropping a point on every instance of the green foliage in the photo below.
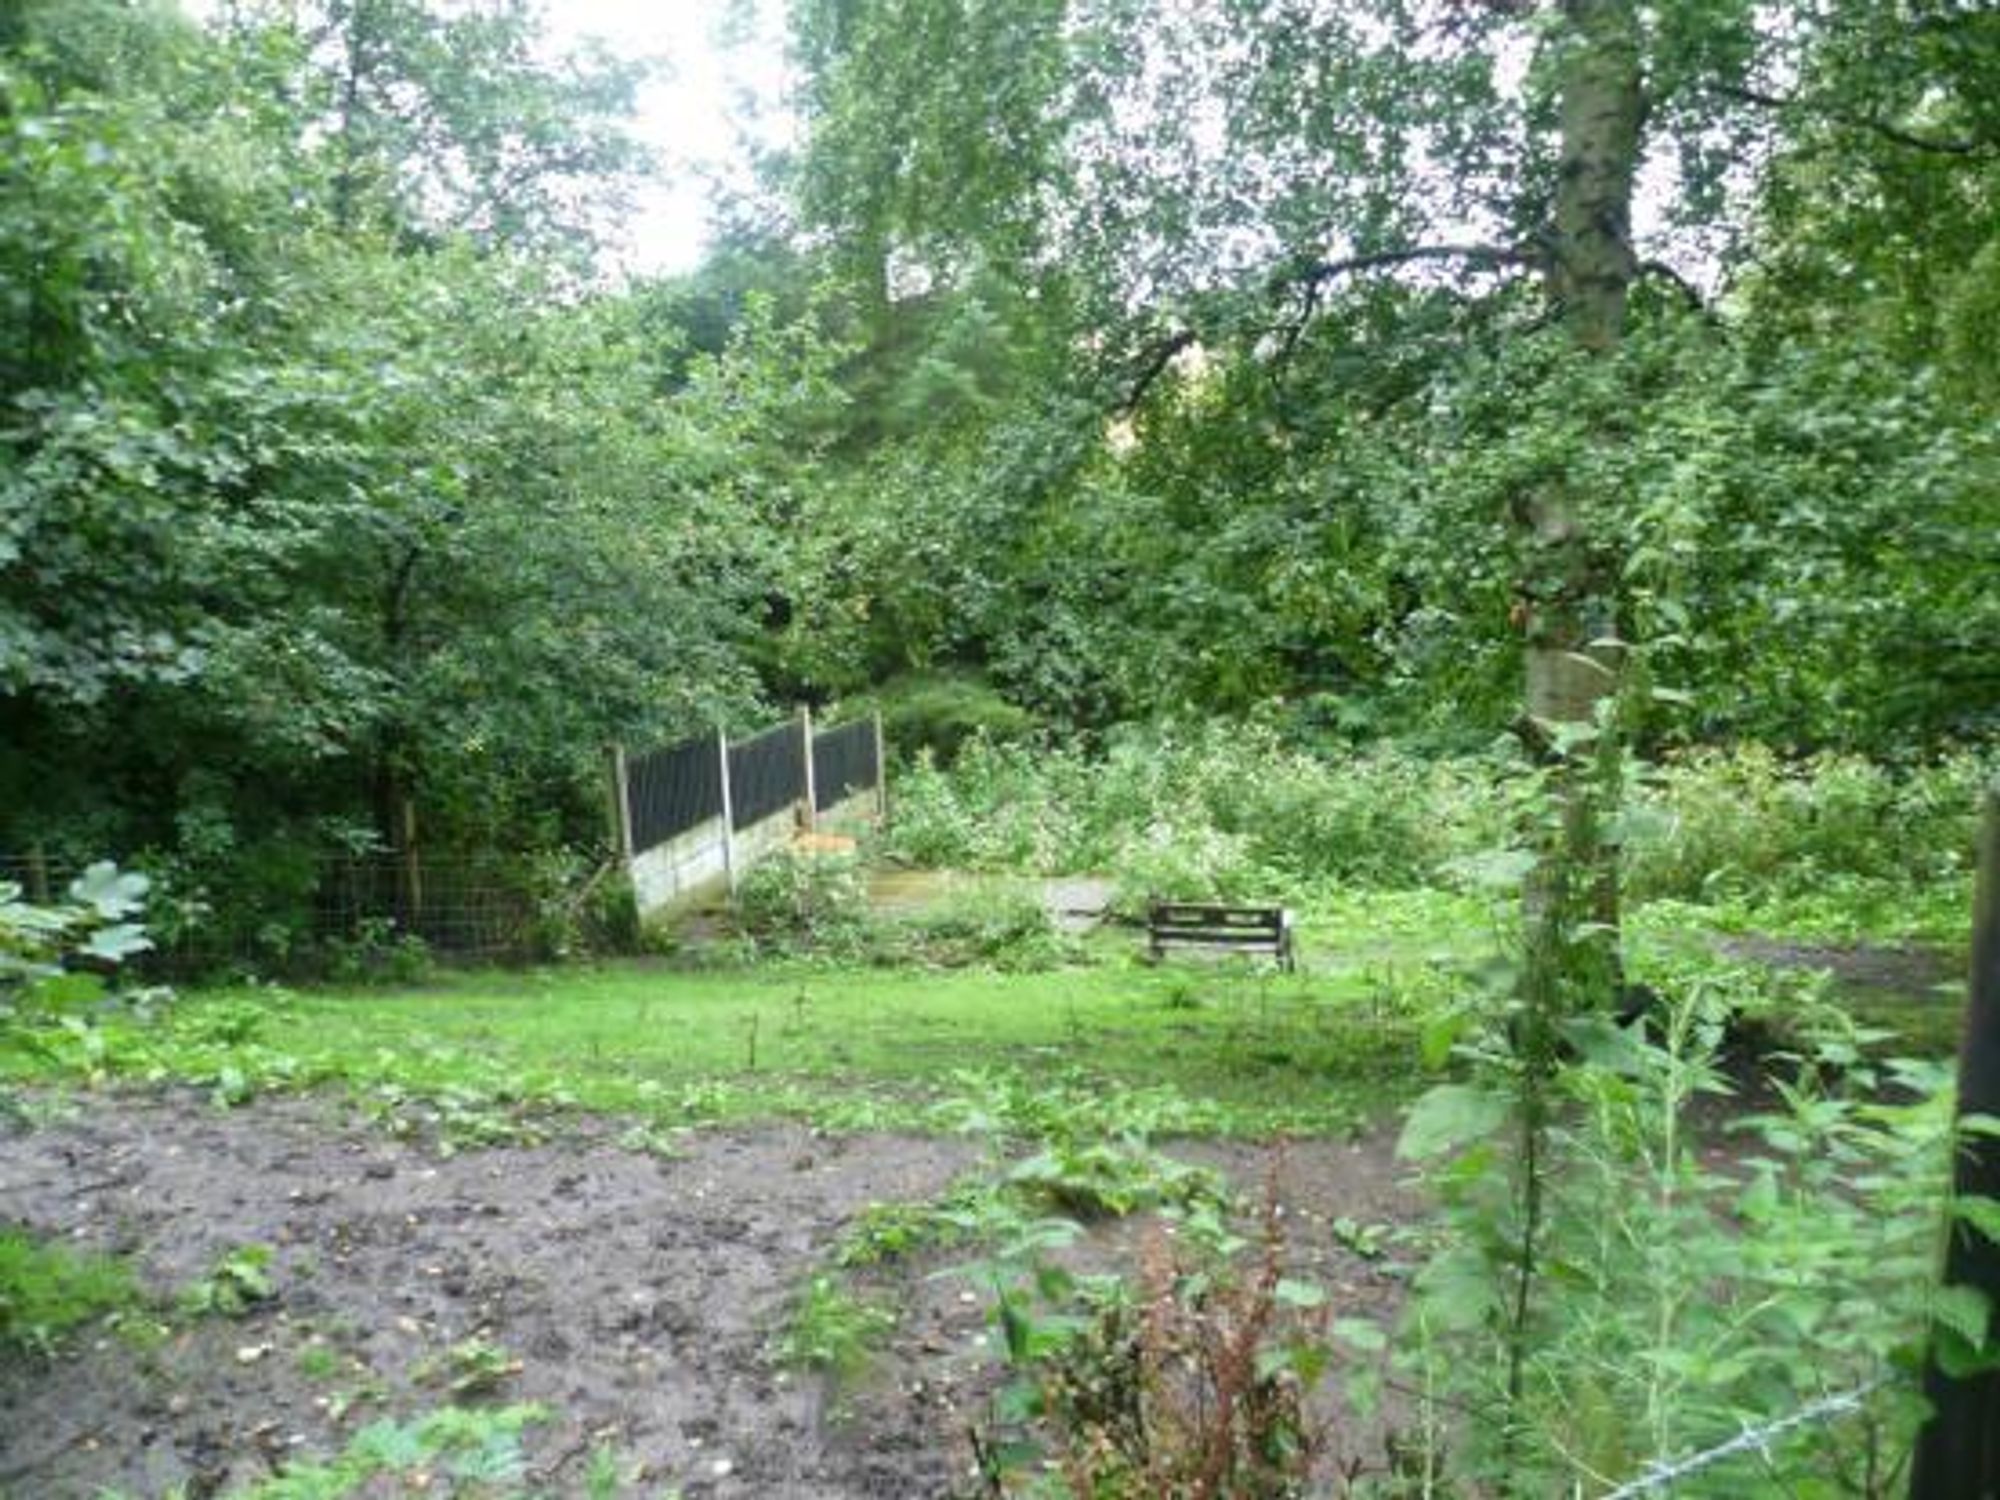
[1199,1374]
[1831,845]
[1664,1300]
[995,922]
[47,1290]
[939,715]
[1711,825]
[469,1369]
[833,1330]
[377,954]
[1110,1178]
[471,1453]
[1209,809]
[808,902]
[238,1283]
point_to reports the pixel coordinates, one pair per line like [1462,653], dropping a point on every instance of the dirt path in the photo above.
[640,1294]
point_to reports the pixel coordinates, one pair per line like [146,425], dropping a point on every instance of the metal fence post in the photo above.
[728,810]
[806,748]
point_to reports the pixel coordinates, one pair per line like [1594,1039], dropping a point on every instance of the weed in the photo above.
[805,903]
[664,1142]
[47,1289]
[833,1329]
[480,1450]
[1109,1179]
[1193,1382]
[317,1361]
[378,953]
[998,923]
[238,1282]
[1662,1303]
[470,1367]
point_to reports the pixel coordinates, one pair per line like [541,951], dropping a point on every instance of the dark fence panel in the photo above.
[767,774]
[673,790]
[844,762]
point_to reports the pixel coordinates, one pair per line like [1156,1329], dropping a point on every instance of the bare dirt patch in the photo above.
[1874,970]
[641,1296]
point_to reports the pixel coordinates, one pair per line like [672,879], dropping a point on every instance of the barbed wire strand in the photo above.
[1662,1474]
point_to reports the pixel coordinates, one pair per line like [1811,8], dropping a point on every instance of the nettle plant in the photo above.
[1630,1268]
[54,957]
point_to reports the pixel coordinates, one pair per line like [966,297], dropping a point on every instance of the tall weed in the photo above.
[1229,810]
[1715,822]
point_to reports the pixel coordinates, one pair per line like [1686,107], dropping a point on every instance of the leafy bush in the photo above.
[997,923]
[377,954]
[1220,807]
[1233,811]
[1606,1296]
[1197,1381]
[940,714]
[1714,821]
[805,902]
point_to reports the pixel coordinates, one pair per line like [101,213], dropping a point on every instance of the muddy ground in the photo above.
[641,1295]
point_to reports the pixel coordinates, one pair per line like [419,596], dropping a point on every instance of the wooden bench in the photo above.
[1245,929]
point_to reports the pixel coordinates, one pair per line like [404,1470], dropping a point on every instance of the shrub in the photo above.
[1214,809]
[940,714]
[995,923]
[805,902]
[1715,821]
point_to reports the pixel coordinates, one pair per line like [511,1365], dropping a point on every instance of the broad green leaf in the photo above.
[1449,1116]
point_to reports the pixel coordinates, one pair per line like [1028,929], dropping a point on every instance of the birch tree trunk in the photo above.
[1572,658]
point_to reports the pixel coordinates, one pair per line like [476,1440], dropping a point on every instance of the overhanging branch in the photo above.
[1888,130]
[1382,260]
[1307,278]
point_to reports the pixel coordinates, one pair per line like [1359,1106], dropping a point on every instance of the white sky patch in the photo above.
[719,85]
[716,92]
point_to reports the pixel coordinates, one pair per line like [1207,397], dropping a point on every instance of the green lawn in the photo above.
[1197,1045]
[1191,1045]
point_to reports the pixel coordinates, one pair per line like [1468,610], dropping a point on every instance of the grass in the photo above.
[476,1058]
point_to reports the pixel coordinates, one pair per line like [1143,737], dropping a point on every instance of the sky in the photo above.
[690,112]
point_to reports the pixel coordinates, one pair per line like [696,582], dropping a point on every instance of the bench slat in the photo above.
[1264,929]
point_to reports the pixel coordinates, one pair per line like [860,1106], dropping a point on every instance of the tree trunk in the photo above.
[1573,661]
[1958,1450]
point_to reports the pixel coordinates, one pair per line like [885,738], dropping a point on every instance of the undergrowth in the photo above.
[1830,844]
[815,907]
[48,1290]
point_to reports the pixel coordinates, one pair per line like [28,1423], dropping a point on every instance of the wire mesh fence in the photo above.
[307,912]
[340,913]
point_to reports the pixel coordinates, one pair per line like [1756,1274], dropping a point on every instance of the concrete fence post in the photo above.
[619,803]
[728,810]
[881,772]
[806,749]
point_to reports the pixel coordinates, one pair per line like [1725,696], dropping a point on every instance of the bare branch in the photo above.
[1382,260]
[1888,130]
[1688,290]
[1151,365]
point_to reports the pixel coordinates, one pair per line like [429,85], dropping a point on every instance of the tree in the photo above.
[1343,213]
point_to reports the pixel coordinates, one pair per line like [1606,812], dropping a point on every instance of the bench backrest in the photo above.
[1173,916]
